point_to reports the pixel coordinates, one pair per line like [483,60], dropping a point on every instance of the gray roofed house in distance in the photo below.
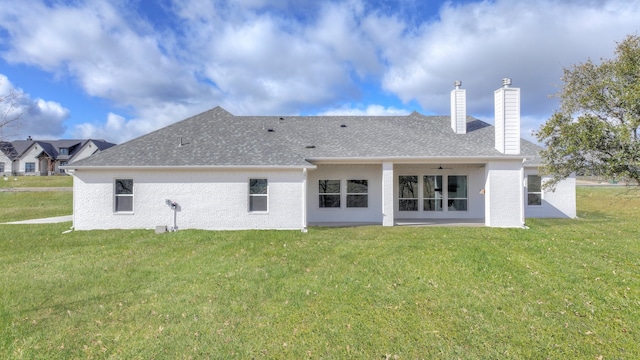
[45,157]
[287,172]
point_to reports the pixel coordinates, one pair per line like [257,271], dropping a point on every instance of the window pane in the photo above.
[457,186]
[534,183]
[329,186]
[357,201]
[357,186]
[457,205]
[30,167]
[408,187]
[432,205]
[534,199]
[432,186]
[408,205]
[258,186]
[258,203]
[329,201]
[124,203]
[124,186]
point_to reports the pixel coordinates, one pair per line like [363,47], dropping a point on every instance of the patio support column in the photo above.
[387,194]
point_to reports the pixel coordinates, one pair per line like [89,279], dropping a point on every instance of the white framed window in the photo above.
[357,193]
[408,193]
[432,193]
[123,199]
[29,167]
[63,151]
[329,193]
[1,166]
[258,195]
[534,190]
[457,192]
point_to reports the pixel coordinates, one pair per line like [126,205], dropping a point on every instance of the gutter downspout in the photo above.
[522,195]
[304,200]
[73,193]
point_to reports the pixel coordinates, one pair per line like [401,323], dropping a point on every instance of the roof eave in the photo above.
[414,160]
[188,167]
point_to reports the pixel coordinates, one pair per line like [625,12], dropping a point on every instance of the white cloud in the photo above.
[361,110]
[38,118]
[260,57]
[112,54]
[482,42]
[117,128]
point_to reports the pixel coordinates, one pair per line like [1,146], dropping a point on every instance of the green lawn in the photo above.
[36,181]
[33,205]
[563,289]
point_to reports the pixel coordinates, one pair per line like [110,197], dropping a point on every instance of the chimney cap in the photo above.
[506,82]
[457,84]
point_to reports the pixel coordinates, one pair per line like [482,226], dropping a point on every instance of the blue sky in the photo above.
[118,69]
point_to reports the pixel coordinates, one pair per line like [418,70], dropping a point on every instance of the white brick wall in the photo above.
[207,199]
[371,214]
[560,203]
[504,194]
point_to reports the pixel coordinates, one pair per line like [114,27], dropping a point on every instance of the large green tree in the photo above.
[595,130]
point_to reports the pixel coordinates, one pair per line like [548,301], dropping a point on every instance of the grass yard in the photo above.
[564,289]
[36,181]
[33,205]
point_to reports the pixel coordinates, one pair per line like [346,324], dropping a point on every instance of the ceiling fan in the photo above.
[442,168]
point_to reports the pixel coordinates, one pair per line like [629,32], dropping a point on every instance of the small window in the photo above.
[408,193]
[258,194]
[457,192]
[357,193]
[432,192]
[29,167]
[1,167]
[534,190]
[329,193]
[63,163]
[124,195]
[63,151]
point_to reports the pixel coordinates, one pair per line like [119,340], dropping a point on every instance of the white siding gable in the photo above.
[507,126]
[459,111]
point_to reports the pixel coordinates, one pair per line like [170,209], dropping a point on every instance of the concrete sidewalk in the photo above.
[51,220]
[36,189]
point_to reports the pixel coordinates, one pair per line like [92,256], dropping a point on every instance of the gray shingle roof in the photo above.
[218,138]
[8,149]
[51,147]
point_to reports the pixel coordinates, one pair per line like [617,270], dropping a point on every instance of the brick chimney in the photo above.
[458,109]
[507,108]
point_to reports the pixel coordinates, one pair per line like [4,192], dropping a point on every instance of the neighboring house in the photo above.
[7,154]
[220,171]
[45,157]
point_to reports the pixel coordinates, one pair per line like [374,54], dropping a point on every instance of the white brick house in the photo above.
[220,171]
